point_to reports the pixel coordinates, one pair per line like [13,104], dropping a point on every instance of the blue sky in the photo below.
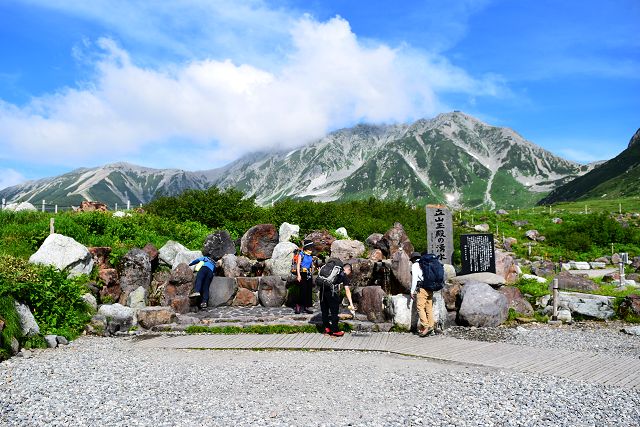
[194,84]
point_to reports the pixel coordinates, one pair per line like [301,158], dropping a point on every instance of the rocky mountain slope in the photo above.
[452,158]
[113,183]
[618,177]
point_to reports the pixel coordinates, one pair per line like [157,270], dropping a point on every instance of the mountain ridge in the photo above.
[452,158]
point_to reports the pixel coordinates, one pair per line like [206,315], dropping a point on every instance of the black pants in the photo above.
[203,280]
[330,305]
[305,288]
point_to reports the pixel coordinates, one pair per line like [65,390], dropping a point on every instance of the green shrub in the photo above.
[12,328]
[55,300]
[532,287]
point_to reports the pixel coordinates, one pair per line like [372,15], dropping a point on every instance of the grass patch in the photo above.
[260,329]
[532,287]
[11,325]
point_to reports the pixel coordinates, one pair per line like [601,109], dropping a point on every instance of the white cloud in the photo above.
[10,177]
[207,112]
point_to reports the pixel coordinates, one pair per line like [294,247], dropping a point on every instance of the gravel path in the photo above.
[104,381]
[597,337]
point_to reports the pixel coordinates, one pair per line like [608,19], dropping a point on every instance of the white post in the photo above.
[518,211]
[612,249]
[52,228]
[42,205]
[585,209]
[128,204]
[621,265]
[529,250]
[140,204]
[116,206]
[56,209]
[620,208]
[3,203]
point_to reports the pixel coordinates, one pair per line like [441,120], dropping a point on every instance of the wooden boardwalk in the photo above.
[620,371]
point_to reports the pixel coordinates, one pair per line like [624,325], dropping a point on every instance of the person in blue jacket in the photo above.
[203,279]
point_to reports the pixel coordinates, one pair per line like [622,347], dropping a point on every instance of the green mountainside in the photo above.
[618,177]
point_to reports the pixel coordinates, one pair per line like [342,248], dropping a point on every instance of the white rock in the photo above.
[342,232]
[488,278]
[449,272]
[168,252]
[404,311]
[346,249]
[280,262]
[22,206]
[186,257]
[288,231]
[91,301]
[483,228]
[51,340]
[63,252]
[564,315]
[632,330]
[534,277]
[596,265]
[28,323]
[137,298]
[580,265]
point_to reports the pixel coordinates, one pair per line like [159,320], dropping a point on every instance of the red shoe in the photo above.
[338,334]
[327,331]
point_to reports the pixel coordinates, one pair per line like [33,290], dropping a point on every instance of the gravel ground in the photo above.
[597,337]
[105,381]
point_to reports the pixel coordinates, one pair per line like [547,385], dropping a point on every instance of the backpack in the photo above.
[432,272]
[328,276]
[297,253]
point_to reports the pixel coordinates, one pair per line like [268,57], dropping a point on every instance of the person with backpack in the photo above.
[205,267]
[304,277]
[331,278]
[427,276]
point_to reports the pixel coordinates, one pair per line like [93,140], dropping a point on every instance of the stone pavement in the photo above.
[620,371]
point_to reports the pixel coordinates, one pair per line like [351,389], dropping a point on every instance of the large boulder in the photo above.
[186,257]
[153,316]
[568,281]
[342,232]
[492,279]
[346,249]
[586,305]
[259,241]
[28,324]
[395,239]
[118,317]
[506,266]
[63,252]
[401,269]
[404,312]
[21,206]
[482,306]
[322,241]
[100,256]
[176,291]
[218,244]
[272,291]
[168,252]
[288,231]
[371,303]
[134,271]
[280,262]
[221,291]
[516,301]
[245,298]
[227,266]
[361,272]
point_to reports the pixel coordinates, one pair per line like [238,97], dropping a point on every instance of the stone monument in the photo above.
[440,233]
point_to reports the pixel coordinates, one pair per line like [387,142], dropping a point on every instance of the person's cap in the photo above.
[308,244]
[415,256]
